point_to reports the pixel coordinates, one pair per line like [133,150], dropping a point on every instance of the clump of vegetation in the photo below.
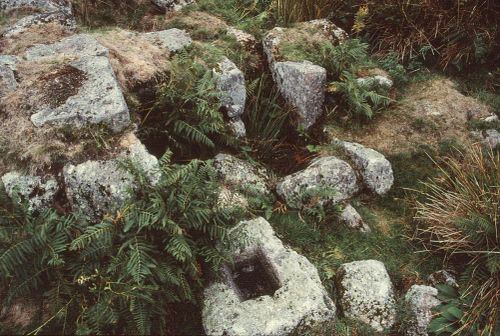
[458,218]
[125,274]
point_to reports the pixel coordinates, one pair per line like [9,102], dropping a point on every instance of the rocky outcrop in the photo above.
[419,302]
[38,192]
[231,84]
[352,219]
[172,5]
[241,175]
[45,11]
[282,293]
[172,39]
[326,172]
[97,188]
[301,83]
[365,293]
[374,82]
[89,94]
[374,168]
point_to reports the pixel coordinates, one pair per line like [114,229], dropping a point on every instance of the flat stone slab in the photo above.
[365,293]
[325,172]
[240,175]
[98,99]
[297,302]
[172,39]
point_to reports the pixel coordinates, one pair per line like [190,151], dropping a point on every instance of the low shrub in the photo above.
[125,274]
[458,216]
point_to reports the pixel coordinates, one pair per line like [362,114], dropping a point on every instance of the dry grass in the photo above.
[134,60]
[459,217]
[303,10]
[430,113]
[39,34]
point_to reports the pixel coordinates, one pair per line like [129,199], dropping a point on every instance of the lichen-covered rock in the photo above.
[241,175]
[243,38]
[42,5]
[231,83]
[352,219]
[98,97]
[375,169]
[172,39]
[96,188]
[374,82]
[237,127]
[442,277]
[301,83]
[173,5]
[325,172]
[365,293]
[39,192]
[8,80]
[299,301]
[489,137]
[419,302]
[63,17]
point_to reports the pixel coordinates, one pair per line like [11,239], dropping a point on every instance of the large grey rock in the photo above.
[241,175]
[8,81]
[231,84]
[490,138]
[419,302]
[326,172]
[38,192]
[365,293]
[352,219]
[375,169]
[97,188]
[172,5]
[99,98]
[302,84]
[296,302]
[172,39]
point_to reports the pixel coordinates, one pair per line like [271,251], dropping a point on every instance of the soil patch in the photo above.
[57,86]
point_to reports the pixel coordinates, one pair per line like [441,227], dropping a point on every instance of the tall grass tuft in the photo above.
[289,11]
[459,218]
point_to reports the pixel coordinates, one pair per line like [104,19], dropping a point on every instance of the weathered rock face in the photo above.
[303,87]
[325,172]
[489,138]
[172,39]
[172,5]
[8,81]
[352,219]
[99,187]
[374,82]
[302,84]
[42,5]
[46,11]
[419,301]
[241,175]
[243,38]
[442,277]
[231,83]
[96,97]
[365,293]
[38,192]
[295,300]
[375,169]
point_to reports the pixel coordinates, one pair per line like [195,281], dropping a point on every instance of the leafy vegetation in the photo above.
[459,220]
[126,273]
